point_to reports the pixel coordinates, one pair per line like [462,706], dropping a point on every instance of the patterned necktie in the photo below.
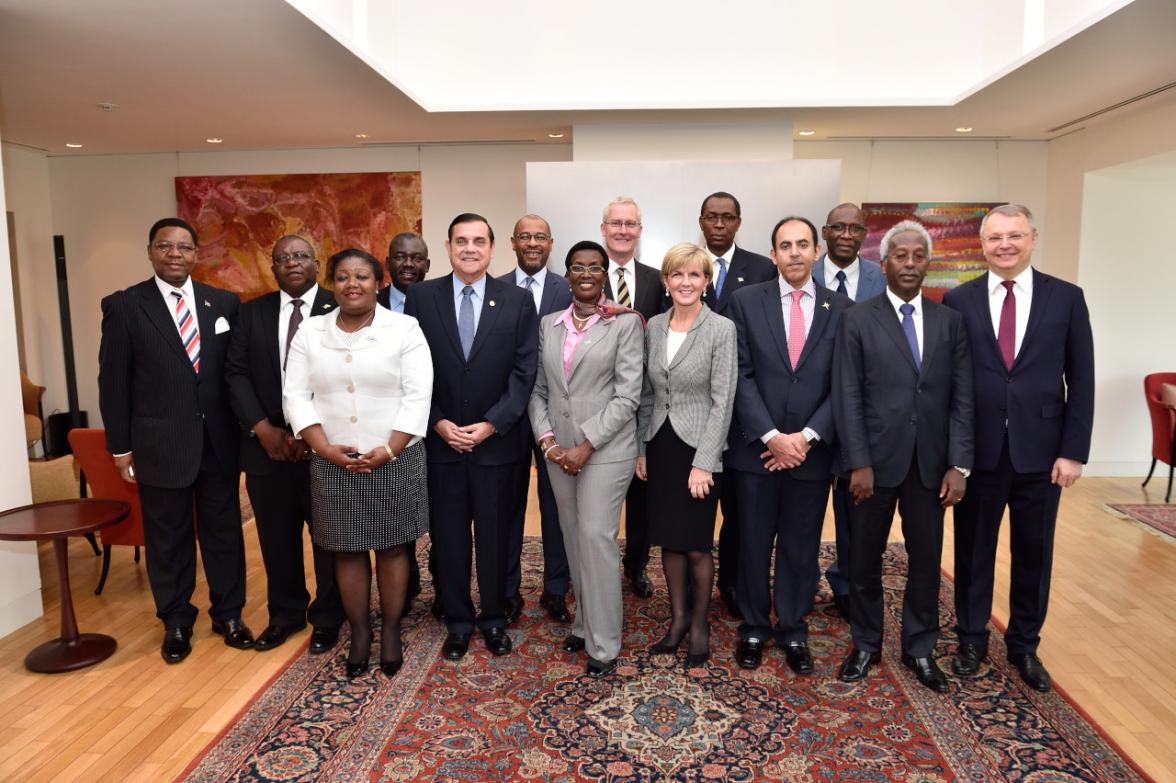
[189,333]
[465,320]
[722,278]
[841,289]
[622,289]
[795,329]
[295,321]
[908,327]
[1006,338]
[529,284]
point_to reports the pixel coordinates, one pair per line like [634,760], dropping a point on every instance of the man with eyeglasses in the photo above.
[859,279]
[407,263]
[532,242]
[163,399]
[1033,360]
[635,285]
[277,475]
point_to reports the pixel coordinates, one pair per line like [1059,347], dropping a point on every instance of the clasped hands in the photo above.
[785,451]
[349,458]
[570,461]
[463,439]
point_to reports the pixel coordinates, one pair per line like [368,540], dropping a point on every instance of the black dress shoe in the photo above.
[642,587]
[668,645]
[236,633]
[598,669]
[749,653]
[556,607]
[1032,670]
[176,647]
[275,635]
[356,669]
[497,641]
[967,660]
[857,665]
[927,672]
[323,639]
[456,646]
[389,668]
[573,644]
[800,660]
[841,604]
[513,608]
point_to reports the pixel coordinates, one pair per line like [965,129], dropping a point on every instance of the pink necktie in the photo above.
[1006,338]
[795,329]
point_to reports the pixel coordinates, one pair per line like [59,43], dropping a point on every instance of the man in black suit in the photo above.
[719,219]
[1033,356]
[163,399]
[902,400]
[531,242]
[407,263]
[484,340]
[275,462]
[779,446]
[635,285]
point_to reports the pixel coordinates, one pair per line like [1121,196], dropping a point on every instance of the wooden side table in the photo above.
[56,521]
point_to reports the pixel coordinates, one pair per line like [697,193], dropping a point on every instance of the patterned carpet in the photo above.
[534,716]
[1158,516]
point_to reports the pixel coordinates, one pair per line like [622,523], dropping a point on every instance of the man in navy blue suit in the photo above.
[1033,355]
[484,340]
[531,242]
[841,269]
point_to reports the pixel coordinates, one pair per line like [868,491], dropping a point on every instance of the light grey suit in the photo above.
[597,402]
[696,391]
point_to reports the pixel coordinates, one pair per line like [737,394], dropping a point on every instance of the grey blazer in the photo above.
[696,391]
[599,400]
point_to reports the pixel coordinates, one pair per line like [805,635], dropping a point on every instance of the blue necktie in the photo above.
[908,326]
[722,277]
[465,320]
[841,289]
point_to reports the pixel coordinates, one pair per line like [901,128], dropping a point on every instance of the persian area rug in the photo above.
[533,715]
[1160,517]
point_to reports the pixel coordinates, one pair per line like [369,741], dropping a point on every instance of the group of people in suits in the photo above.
[763,383]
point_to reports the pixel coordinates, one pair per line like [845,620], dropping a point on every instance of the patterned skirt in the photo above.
[356,512]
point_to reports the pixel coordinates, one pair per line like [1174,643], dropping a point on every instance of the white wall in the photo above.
[684,141]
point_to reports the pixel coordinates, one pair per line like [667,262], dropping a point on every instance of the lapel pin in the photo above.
[491,303]
[206,303]
[826,305]
[326,306]
[740,279]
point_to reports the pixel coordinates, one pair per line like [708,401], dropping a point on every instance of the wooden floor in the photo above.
[1109,643]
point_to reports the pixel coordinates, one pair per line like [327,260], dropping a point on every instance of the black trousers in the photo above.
[1032,501]
[281,506]
[782,514]
[728,578]
[837,575]
[461,493]
[922,527]
[556,574]
[636,528]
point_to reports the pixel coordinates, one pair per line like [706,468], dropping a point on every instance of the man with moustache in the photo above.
[532,242]
[843,271]
[407,263]
[275,462]
[484,338]
[902,400]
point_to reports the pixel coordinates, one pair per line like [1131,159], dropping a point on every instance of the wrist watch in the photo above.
[811,440]
[965,472]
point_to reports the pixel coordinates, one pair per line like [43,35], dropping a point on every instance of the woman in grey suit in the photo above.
[686,403]
[583,413]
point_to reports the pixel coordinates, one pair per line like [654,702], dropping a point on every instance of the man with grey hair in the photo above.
[902,403]
[1034,413]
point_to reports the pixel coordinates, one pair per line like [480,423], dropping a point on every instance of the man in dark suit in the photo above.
[407,263]
[841,269]
[531,242]
[779,449]
[275,462]
[733,268]
[484,340]
[902,400]
[1033,355]
[163,399]
[632,284]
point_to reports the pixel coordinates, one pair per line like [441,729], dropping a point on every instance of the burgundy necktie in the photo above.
[1006,337]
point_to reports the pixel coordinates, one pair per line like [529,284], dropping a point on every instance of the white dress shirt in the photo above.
[852,274]
[808,306]
[189,293]
[916,316]
[715,261]
[1022,294]
[540,279]
[630,278]
[395,299]
[363,391]
[285,310]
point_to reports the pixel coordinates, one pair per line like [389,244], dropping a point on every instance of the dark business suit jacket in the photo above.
[1047,397]
[254,373]
[495,384]
[153,403]
[649,301]
[744,269]
[886,409]
[770,393]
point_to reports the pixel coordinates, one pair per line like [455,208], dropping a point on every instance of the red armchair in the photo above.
[1163,421]
[89,448]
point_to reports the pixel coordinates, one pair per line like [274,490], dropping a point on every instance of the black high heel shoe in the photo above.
[665,647]
[356,669]
[389,668]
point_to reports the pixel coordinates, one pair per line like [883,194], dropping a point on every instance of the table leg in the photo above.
[72,650]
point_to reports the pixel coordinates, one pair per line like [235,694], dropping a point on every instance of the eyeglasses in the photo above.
[167,247]
[997,239]
[856,229]
[616,224]
[580,269]
[301,257]
[416,258]
[525,238]
[726,217]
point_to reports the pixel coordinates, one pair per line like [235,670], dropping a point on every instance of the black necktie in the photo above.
[295,321]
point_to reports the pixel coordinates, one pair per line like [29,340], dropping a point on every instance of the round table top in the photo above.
[58,518]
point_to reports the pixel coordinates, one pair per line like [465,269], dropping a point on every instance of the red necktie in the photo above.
[795,329]
[1006,337]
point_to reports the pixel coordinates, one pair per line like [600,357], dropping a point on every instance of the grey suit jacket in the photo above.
[695,391]
[599,401]
[871,280]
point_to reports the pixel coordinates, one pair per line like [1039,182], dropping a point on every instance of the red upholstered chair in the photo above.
[98,468]
[1163,421]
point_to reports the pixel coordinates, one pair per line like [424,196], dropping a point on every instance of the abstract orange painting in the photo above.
[239,218]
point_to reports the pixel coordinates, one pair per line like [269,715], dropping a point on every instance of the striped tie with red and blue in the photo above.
[189,334]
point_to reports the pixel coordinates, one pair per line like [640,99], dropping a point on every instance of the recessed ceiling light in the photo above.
[806,133]
[555,135]
[73,146]
[963,130]
[361,136]
[214,140]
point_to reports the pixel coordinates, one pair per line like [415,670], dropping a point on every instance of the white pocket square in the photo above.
[221,325]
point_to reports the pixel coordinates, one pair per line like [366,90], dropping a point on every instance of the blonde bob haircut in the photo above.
[685,254]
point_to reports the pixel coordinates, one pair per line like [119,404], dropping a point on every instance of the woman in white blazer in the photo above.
[358,388]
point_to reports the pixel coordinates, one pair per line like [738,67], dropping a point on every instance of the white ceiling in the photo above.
[259,74]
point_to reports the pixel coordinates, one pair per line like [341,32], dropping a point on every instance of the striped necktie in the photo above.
[189,333]
[622,289]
